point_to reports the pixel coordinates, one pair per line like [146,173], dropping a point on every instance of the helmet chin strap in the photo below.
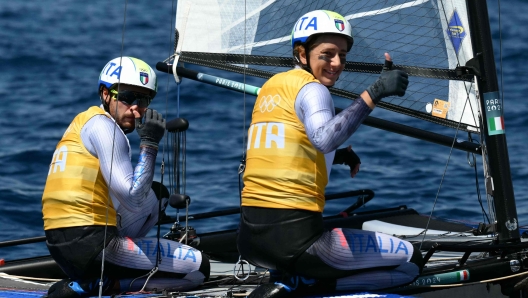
[105,106]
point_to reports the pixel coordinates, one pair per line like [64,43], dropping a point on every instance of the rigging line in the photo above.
[454,139]
[474,165]
[184,160]
[483,146]
[479,196]
[500,56]
[485,161]
[443,175]
[168,76]
[112,155]
[242,166]
[439,236]
[168,139]
[158,230]
[244,75]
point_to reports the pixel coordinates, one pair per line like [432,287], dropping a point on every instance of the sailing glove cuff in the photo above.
[390,82]
[150,128]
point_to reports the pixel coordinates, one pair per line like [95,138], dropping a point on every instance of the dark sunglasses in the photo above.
[132,98]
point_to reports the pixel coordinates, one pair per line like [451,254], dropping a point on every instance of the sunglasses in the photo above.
[132,98]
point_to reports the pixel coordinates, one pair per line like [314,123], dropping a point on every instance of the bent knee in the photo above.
[205,267]
[417,259]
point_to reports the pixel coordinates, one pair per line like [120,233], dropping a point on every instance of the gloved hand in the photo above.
[390,82]
[348,157]
[150,128]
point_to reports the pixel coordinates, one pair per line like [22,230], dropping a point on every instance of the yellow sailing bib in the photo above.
[76,193]
[283,169]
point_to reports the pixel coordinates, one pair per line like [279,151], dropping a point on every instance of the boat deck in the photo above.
[222,284]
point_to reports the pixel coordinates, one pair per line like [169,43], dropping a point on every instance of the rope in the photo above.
[112,158]
[468,92]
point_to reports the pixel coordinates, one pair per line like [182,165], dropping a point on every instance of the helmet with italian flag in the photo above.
[129,71]
[321,22]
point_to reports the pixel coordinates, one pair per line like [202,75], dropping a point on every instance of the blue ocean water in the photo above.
[51,53]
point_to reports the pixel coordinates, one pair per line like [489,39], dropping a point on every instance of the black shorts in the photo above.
[275,238]
[75,249]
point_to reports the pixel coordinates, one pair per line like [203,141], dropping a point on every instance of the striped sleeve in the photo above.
[315,108]
[130,186]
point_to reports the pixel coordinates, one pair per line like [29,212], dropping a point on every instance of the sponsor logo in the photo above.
[511,225]
[494,116]
[269,102]
[144,78]
[455,31]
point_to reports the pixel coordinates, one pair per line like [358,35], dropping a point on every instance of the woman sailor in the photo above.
[292,142]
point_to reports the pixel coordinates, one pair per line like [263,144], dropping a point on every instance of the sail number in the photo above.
[493,105]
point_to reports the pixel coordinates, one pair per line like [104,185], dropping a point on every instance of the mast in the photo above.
[493,123]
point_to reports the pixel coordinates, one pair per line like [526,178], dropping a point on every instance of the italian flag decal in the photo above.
[494,116]
[495,125]
[462,275]
[340,25]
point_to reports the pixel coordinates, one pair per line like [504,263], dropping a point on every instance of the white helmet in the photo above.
[321,22]
[129,71]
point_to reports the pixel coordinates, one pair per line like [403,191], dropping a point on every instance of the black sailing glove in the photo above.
[390,82]
[151,129]
[346,156]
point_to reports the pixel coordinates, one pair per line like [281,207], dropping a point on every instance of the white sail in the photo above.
[429,39]
[459,51]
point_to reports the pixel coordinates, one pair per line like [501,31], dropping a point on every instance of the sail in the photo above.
[427,39]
